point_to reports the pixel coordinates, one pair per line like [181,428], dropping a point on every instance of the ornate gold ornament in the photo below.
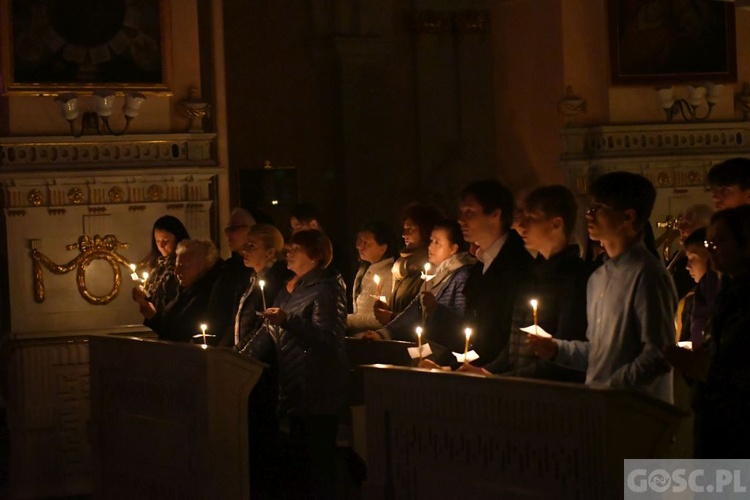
[90,249]
[35,197]
[116,195]
[75,195]
[155,192]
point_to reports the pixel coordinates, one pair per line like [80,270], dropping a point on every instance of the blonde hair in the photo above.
[270,236]
[205,248]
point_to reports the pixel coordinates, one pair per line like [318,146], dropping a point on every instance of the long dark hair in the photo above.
[171,225]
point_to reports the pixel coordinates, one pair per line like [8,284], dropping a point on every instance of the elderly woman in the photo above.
[196,268]
[418,220]
[306,328]
[161,285]
[440,307]
[374,245]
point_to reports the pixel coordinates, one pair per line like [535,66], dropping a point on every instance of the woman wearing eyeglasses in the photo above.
[305,327]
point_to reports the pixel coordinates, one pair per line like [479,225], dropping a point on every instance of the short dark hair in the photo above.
[171,225]
[730,172]
[697,237]
[383,235]
[492,195]
[306,212]
[555,201]
[455,235]
[316,245]
[626,191]
[738,221]
[424,216]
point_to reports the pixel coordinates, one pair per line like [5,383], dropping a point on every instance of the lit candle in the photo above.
[376,278]
[204,327]
[133,274]
[534,305]
[419,341]
[145,277]
[427,268]
[467,332]
[143,281]
[262,285]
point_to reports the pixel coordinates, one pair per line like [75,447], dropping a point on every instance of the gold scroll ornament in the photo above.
[90,249]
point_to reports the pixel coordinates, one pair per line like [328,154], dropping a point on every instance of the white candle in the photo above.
[263,293]
[419,341]
[467,332]
[204,327]
[133,274]
[534,304]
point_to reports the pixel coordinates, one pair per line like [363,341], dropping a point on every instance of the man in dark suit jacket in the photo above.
[485,215]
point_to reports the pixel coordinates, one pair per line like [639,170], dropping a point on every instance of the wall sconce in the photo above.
[104,104]
[708,94]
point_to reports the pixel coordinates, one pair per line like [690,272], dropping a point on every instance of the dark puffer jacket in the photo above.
[309,346]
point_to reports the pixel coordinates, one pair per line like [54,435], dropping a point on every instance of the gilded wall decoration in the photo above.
[96,248]
[76,196]
[35,197]
[116,194]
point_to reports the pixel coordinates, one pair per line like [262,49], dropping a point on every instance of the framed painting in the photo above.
[671,41]
[60,45]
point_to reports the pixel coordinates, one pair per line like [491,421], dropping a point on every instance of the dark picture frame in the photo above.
[671,41]
[77,45]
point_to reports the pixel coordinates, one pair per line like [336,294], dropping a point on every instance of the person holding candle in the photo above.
[555,297]
[440,307]
[631,300]
[161,286]
[197,267]
[374,278]
[485,217]
[418,220]
[261,254]
[305,329]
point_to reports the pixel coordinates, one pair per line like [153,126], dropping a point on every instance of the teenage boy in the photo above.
[730,183]
[631,300]
[485,216]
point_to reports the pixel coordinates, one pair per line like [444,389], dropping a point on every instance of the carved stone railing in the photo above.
[674,155]
[138,151]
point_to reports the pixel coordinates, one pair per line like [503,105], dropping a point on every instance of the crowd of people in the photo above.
[614,309]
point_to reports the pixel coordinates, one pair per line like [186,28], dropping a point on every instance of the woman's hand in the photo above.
[469,368]
[275,315]
[139,296]
[429,303]
[372,335]
[431,365]
[147,310]
[382,312]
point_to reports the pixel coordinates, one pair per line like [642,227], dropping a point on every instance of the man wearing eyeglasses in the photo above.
[631,300]
[729,182]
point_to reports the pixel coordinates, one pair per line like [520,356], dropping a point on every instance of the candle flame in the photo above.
[419,331]
[534,303]
[145,276]
[262,284]
[132,267]
[467,332]
[427,268]
[204,327]
[377,279]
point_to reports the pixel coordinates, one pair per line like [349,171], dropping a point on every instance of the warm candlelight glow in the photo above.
[467,332]
[204,327]
[427,268]
[419,341]
[376,278]
[133,274]
[534,305]
[145,276]
[132,267]
[262,285]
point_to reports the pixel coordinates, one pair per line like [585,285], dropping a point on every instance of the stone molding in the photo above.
[136,151]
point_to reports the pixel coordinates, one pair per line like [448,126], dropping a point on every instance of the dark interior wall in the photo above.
[373,111]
